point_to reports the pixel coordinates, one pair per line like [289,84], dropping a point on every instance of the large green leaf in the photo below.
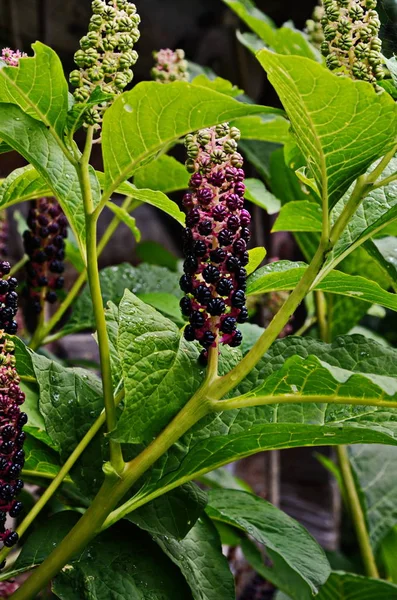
[331,117]
[285,275]
[114,280]
[22,184]
[299,215]
[172,515]
[277,531]
[199,557]
[257,193]
[35,143]
[144,121]
[348,586]
[375,468]
[159,367]
[165,174]
[377,210]
[267,128]
[39,87]
[40,461]
[222,438]
[110,567]
[260,23]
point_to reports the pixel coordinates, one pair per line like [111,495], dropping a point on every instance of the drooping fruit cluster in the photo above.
[170,66]
[215,239]
[352,46]
[44,243]
[3,234]
[12,419]
[314,28]
[106,54]
[11,57]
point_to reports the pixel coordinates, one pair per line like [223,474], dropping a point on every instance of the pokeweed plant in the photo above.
[123,450]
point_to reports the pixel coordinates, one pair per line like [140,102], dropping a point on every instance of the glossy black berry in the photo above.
[208,339]
[12,283]
[22,419]
[185,284]
[7,447]
[14,471]
[243,315]
[240,246]
[211,274]
[190,264]
[197,319]
[233,222]
[200,248]
[238,299]
[19,440]
[228,325]
[203,294]
[51,296]
[245,234]
[205,227]
[224,287]
[12,328]
[203,358]
[59,283]
[193,217]
[186,306]
[216,307]
[16,509]
[233,264]
[3,286]
[3,464]
[244,259]
[18,485]
[225,237]
[236,339]
[6,492]
[8,432]
[19,457]
[11,539]
[189,333]
[218,255]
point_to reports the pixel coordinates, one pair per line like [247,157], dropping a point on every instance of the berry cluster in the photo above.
[106,54]
[170,66]
[3,234]
[314,28]
[215,239]
[11,57]
[12,419]
[351,44]
[44,243]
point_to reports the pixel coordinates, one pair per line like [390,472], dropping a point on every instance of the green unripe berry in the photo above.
[356,13]
[359,70]
[365,34]
[91,57]
[222,129]
[80,58]
[376,44]
[135,34]
[193,150]
[109,13]
[379,72]
[98,7]
[345,42]
[332,62]
[120,81]
[218,156]
[203,137]
[361,50]
[235,133]
[92,116]
[237,160]
[332,13]
[9,346]
[125,42]
[329,33]
[95,74]
[75,78]
[230,146]
[95,23]
[124,24]
[81,94]
[344,25]
[129,75]
[110,65]
[190,165]
[374,58]
[324,49]
[342,3]
[370,4]
[109,43]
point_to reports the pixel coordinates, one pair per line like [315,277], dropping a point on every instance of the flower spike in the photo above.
[170,66]
[215,239]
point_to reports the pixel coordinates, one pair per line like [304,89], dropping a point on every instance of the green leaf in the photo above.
[324,108]
[299,215]
[36,144]
[110,564]
[200,559]
[256,256]
[377,210]
[4,147]
[389,549]
[223,478]
[257,193]
[125,218]
[165,174]
[167,304]
[157,199]
[114,280]
[40,461]
[222,438]
[285,275]
[267,128]
[153,253]
[173,514]
[145,120]
[75,116]
[150,344]
[375,469]
[39,87]
[218,85]
[22,184]
[277,531]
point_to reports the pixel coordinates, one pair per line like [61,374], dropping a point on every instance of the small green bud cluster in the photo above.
[170,66]
[106,54]
[352,46]
[314,28]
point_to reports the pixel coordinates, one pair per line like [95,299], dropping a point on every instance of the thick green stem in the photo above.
[321,310]
[357,514]
[116,457]
[112,491]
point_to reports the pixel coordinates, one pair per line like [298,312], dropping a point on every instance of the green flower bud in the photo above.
[9,346]
[124,24]
[109,43]
[325,49]
[332,12]
[204,137]
[125,42]
[110,64]
[356,13]
[218,156]
[95,74]
[120,81]
[361,50]
[222,129]
[109,13]
[75,78]
[345,42]
[344,25]
[374,58]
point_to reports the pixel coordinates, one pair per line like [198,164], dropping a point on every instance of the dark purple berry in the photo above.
[205,227]
[14,471]
[225,237]
[224,287]
[189,333]
[239,188]
[19,457]
[18,485]
[12,328]
[233,202]
[233,264]
[12,283]
[236,339]
[244,259]
[200,248]
[190,265]
[228,325]
[192,217]
[233,222]
[7,447]
[238,299]
[6,492]
[219,212]
[203,294]
[185,284]
[16,509]
[59,283]
[216,307]
[218,255]
[208,339]
[11,539]
[197,319]
[211,274]
[8,432]
[51,297]
[22,419]
[186,306]
[205,195]
[3,286]
[245,234]
[240,246]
